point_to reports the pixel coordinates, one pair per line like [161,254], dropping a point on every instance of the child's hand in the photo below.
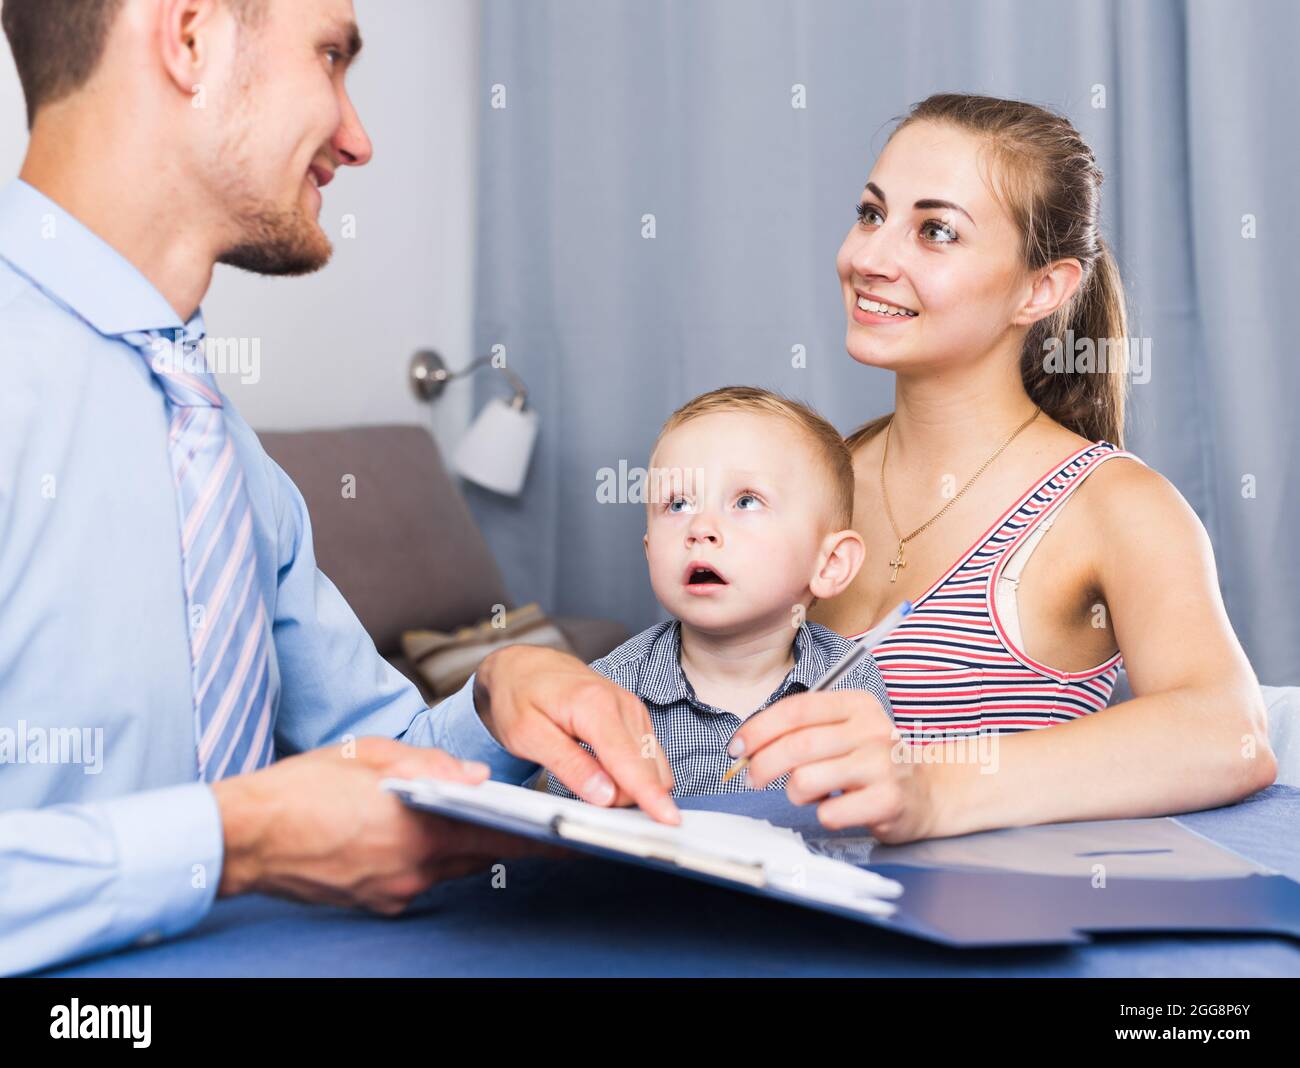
[839,741]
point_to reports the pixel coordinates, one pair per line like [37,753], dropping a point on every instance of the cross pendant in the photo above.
[896,563]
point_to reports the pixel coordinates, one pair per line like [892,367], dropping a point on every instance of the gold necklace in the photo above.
[898,560]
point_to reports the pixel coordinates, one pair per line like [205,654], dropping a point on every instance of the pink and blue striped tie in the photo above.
[230,637]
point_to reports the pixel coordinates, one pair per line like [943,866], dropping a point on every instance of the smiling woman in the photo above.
[990,257]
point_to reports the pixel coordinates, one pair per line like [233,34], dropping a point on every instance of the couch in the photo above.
[404,550]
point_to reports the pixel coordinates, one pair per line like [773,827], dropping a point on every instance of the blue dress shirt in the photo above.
[106,834]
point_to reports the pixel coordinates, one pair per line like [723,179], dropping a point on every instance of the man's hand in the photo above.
[317,827]
[839,741]
[539,703]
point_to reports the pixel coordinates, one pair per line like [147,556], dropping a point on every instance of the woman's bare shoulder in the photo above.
[1131,503]
[1129,477]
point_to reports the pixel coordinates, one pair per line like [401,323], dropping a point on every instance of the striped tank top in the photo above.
[955,667]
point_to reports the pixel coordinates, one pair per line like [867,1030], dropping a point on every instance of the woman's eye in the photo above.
[947,234]
[333,55]
[740,502]
[934,231]
[865,210]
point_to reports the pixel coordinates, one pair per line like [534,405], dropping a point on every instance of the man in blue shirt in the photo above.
[137,770]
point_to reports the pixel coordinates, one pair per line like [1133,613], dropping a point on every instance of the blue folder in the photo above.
[1045,885]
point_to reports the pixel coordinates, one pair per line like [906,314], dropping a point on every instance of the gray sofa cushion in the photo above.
[591,639]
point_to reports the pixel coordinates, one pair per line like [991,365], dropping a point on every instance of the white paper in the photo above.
[785,860]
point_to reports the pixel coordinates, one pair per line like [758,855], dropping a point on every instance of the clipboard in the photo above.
[725,849]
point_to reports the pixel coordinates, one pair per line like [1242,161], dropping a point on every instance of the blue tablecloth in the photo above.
[599,918]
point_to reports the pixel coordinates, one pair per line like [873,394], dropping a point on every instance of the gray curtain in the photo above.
[615,110]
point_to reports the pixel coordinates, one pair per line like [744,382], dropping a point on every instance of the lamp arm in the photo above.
[429,375]
[470,368]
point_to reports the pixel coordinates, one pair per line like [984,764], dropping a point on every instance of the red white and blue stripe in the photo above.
[952,670]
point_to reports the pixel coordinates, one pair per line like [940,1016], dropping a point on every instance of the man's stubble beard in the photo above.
[270,239]
[277,242]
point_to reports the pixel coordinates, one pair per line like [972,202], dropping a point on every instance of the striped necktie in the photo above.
[230,638]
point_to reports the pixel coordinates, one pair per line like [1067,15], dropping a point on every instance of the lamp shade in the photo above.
[495,451]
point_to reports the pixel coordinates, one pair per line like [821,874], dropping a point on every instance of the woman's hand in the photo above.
[841,741]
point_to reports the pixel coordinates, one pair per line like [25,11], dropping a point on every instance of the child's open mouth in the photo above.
[702,578]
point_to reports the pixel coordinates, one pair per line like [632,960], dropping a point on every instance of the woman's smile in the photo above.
[870,313]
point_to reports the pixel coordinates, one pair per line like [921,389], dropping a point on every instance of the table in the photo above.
[592,917]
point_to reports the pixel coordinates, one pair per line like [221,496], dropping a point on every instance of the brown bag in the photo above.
[445,661]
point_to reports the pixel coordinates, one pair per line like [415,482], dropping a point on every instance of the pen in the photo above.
[861,648]
[879,633]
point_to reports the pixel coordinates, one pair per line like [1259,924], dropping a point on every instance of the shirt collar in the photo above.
[664,682]
[813,658]
[78,268]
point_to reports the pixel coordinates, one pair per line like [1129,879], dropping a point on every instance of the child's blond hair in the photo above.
[827,443]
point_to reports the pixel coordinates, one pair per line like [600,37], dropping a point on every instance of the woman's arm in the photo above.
[1196,734]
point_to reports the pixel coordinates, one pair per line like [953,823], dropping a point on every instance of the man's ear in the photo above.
[838,563]
[190,35]
[1052,289]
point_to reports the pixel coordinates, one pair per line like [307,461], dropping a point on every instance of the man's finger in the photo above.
[434,763]
[571,764]
[401,761]
[639,725]
[629,760]
[650,745]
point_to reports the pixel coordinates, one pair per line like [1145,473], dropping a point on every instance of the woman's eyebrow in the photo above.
[923,205]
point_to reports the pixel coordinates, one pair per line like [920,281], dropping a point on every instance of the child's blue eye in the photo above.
[747,497]
[674,501]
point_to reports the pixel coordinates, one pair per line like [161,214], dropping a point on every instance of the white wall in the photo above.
[335,345]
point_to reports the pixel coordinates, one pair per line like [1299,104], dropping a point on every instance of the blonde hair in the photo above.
[827,443]
[1048,180]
